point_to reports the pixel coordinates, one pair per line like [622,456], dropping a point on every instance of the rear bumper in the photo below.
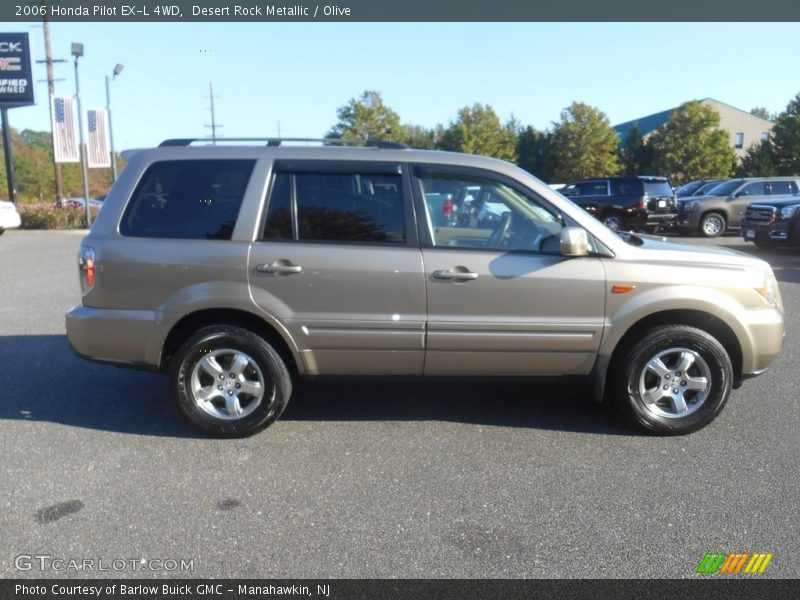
[123,337]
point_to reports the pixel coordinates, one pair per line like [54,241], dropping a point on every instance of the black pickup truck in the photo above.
[774,223]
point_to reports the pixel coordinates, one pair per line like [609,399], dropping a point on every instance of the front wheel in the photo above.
[674,380]
[229,382]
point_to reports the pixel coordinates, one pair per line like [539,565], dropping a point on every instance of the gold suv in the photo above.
[237,269]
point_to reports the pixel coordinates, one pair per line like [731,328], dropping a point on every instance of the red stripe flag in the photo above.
[65,143]
[97,147]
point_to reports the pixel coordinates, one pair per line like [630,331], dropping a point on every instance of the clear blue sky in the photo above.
[299,74]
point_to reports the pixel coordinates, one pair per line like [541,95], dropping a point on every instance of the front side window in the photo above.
[336,207]
[188,199]
[465,211]
[754,189]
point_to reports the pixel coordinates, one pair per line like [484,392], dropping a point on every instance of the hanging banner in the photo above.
[65,141]
[96,141]
[16,86]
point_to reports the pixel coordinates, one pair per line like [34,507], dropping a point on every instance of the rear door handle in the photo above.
[450,274]
[281,266]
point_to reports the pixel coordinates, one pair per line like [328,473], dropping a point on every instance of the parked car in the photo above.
[9,217]
[723,206]
[238,270]
[696,188]
[773,223]
[625,203]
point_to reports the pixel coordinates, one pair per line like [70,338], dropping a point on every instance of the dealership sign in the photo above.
[16,82]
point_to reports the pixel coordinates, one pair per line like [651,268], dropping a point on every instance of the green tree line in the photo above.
[34,173]
[580,144]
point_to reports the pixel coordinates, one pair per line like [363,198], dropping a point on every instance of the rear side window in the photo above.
[336,207]
[586,188]
[782,188]
[626,187]
[188,199]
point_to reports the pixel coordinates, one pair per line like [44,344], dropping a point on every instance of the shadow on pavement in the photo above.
[46,382]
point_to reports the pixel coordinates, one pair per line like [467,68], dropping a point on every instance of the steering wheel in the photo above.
[500,231]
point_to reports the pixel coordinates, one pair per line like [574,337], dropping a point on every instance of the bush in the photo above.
[47,216]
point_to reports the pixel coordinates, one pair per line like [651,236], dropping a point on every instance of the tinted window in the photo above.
[783,187]
[657,189]
[279,214]
[336,207]
[626,187]
[586,188]
[188,199]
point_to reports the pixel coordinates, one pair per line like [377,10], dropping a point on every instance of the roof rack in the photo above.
[273,142]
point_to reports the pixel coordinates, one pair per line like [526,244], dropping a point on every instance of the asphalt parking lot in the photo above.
[456,480]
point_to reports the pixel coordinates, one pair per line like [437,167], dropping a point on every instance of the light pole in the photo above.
[117,70]
[77,52]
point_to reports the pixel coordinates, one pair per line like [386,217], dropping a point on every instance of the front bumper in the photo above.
[778,232]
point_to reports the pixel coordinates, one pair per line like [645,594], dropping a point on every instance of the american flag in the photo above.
[97,147]
[65,144]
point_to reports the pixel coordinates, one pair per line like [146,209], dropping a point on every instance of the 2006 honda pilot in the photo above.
[237,269]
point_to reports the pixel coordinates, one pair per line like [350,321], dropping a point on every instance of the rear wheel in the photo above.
[674,380]
[229,382]
[713,224]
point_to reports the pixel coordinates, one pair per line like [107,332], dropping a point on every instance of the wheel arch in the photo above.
[191,322]
[704,321]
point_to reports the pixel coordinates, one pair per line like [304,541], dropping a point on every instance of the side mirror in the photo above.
[574,241]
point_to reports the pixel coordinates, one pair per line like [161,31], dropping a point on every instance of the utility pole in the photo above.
[213,125]
[51,89]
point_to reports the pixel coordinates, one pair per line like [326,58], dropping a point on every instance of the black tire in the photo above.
[668,412]
[244,363]
[713,224]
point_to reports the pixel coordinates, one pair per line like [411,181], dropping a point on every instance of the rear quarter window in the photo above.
[188,199]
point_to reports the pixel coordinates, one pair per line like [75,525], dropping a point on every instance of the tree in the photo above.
[477,130]
[758,161]
[635,154]
[366,118]
[692,146]
[584,144]
[763,113]
[535,153]
[415,136]
[786,139]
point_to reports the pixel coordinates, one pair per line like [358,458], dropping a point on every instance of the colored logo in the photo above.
[733,564]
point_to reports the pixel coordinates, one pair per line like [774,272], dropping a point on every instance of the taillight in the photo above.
[86,265]
[447,208]
[643,202]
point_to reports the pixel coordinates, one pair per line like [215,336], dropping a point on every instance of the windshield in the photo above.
[688,189]
[704,189]
[725,188]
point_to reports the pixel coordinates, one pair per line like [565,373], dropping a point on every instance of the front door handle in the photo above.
[281,266]
[451,274]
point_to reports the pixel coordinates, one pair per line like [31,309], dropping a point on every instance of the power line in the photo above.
[214,126]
